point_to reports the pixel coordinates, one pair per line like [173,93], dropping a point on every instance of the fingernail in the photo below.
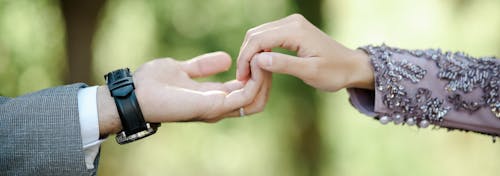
[265,60]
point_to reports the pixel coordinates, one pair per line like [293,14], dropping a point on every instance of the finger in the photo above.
[235,99]
[256,106]
[249,91]
[234,85]
[284,36]
[207,64]
[303,68]
[266,26]
[259,102]
[226,87]
[248,110]
[258,29]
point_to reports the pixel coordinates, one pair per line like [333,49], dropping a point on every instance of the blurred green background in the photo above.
[45,43]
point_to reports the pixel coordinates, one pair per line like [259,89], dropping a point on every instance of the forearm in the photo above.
[109,120]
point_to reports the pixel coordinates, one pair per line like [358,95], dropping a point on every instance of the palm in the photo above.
[168,93]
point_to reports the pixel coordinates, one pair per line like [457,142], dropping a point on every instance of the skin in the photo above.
[320,61]
[166,92]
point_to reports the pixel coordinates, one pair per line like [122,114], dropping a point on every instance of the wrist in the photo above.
[362,75]
[109,120]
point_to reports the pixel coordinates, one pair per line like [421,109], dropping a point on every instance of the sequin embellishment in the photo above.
[461,72]
[465,73]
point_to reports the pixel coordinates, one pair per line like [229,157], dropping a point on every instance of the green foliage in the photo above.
[31,46]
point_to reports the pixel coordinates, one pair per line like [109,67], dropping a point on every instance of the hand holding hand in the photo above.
[320,62]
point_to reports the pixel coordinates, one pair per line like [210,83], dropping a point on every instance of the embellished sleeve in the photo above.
[431,87]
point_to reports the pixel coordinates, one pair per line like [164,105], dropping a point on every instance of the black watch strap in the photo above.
[121,86]
[130,114]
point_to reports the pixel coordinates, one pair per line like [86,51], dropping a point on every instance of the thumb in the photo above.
[207,64]
[286,64]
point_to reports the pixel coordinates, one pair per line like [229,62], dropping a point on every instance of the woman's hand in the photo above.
[320,62]
[166,92]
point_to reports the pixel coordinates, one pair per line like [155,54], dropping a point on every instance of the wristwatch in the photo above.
[121,86]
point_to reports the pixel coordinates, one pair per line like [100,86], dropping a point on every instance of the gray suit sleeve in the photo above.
[40,134]
[3,100]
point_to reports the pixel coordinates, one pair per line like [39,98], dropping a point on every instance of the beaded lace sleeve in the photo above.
[431,87]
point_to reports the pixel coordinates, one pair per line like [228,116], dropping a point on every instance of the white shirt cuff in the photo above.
[89,124]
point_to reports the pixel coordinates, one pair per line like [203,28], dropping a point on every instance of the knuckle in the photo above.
[252,30]
[299,27]
[253,43]
[252,38]
[297,16]
[299,22]
[249,33]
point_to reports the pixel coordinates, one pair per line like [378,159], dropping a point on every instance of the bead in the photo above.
[398,119]
[411,121]
[384,120]
[423,124]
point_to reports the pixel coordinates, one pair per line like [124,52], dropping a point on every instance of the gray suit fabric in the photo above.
[40,134]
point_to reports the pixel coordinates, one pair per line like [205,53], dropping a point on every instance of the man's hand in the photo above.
[167,92]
